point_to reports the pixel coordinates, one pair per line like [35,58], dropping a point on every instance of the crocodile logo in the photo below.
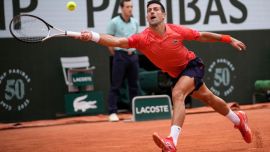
[80,103]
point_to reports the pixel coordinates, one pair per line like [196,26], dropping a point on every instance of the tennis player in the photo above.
[163,45]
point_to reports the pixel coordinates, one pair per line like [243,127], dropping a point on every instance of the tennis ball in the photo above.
[71,5]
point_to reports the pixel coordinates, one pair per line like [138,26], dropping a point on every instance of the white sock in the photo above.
[175,132]
[233,117]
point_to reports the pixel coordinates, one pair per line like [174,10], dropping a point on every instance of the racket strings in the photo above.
[29,29]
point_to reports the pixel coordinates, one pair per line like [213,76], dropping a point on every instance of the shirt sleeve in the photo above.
[133,41]
[189,34]
[111,28]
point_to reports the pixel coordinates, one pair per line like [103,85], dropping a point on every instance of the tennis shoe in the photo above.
[243,126]
[113,117]
[166,144]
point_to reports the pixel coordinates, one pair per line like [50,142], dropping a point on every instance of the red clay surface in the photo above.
[203,131]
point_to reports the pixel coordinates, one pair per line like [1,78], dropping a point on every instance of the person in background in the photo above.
[125,61]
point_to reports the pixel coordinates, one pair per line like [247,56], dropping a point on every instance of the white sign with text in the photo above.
[203,15]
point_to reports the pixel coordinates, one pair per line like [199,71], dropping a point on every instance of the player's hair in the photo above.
[156,2]
[123,1]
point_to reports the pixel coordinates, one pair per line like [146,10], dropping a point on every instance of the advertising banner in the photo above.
[204,15]
[84,103]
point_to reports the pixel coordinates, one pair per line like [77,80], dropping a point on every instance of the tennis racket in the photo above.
[33,29]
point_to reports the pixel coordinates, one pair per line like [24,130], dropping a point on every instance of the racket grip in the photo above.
[73,34]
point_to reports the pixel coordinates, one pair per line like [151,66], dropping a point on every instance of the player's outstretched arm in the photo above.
[214,37]
[105,39]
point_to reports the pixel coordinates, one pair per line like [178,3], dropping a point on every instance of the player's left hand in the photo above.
[238,44]
[85,36]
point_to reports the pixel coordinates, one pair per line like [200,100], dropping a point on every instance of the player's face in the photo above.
[127,9]
[155,15]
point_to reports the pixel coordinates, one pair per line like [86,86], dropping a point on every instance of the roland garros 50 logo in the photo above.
[222,74]
[14,85]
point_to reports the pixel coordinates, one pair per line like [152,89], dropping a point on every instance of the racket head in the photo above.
[29,28]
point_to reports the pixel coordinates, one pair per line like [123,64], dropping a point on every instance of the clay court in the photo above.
[203,131]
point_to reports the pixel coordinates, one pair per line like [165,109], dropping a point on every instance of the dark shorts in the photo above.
[194,69]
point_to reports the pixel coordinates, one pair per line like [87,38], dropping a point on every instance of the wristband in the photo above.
[95,37]
[226,38]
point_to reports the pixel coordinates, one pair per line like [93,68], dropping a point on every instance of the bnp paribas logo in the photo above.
[222,76]
[14,88]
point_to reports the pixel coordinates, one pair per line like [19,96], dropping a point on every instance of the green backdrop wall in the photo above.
[39,67]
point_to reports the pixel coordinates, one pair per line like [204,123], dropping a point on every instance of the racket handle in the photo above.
[73,34]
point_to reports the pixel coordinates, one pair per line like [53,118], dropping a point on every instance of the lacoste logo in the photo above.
[175,42]
[80,104]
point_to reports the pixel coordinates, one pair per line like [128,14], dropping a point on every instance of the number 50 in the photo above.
[14,88]
[222,76]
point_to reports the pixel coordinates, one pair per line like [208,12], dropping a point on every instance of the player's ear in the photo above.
[164,15]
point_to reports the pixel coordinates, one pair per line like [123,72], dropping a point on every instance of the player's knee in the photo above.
[178,96]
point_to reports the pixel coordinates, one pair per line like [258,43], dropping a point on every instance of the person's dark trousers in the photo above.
[124,66]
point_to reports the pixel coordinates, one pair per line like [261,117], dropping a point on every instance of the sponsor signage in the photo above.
[222,77]
[204,15]
[84,103]
[15,86]
[151,107]
[82,79]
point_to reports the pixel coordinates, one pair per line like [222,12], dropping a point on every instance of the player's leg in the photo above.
[205,95]
[118,73]
[239,118]
[183,87]
[190,80]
